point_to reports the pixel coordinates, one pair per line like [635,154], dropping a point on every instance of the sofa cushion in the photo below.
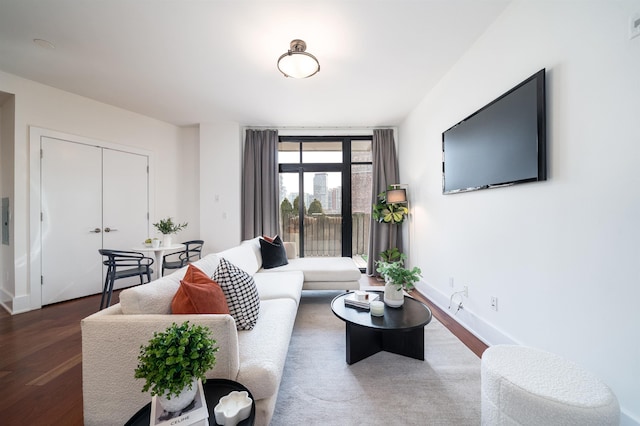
[208,264]
[151,298]
[263,350]
[198,294]
[241,294]
[278,286]
[328,269]
[273,253]
[291,249]
[246,256]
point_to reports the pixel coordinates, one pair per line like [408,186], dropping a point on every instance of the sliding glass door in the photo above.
[325,195]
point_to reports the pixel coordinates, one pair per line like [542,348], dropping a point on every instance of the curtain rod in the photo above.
[318,128]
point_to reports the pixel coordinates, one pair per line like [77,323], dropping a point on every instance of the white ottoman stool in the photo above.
[527,386]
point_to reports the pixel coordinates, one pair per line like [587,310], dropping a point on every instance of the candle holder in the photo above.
[376,308]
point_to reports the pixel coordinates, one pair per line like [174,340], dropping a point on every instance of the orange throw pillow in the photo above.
[268,238]
[198,294]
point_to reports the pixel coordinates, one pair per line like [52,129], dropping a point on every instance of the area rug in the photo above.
[319,388]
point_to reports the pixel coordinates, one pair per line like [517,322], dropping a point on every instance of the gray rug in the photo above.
[319,387]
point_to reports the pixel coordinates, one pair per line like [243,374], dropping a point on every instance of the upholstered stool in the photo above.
[527,386]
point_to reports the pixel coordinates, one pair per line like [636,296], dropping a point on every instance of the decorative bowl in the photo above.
[233,408]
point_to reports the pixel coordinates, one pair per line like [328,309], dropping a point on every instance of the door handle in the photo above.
[107,229]
[95,231]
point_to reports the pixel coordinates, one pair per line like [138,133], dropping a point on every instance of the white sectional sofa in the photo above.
[111,338]
[320,273]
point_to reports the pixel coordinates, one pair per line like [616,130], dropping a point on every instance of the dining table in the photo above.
[159,253]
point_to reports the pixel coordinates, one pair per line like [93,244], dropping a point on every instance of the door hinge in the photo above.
[41,280]
[41,217]
[41,153]
[147,169]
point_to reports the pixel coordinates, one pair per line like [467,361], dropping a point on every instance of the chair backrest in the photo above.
[123,258]
[192,251]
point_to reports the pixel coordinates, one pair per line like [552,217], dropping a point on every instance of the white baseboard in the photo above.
[14,305]
[627,420]
[21,304]
[6,300]
[476,325]
[485,331]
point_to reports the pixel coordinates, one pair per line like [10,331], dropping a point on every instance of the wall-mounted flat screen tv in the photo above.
[502,144]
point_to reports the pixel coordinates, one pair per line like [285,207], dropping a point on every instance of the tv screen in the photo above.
[502,144]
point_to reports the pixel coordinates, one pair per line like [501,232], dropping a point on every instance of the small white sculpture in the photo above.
[233,408]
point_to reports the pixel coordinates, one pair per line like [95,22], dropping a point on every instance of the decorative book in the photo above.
[194,414]
[359,300]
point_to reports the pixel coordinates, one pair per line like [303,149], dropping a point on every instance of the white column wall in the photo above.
[562,256]
[7,116]
[187,185]
[220,184]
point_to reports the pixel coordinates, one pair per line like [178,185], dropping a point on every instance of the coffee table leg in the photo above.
[361,342]
[408,343]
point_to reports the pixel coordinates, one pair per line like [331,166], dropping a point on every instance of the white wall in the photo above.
[50,108]
[562,256]
[188,184]
[7,116]
[220,185]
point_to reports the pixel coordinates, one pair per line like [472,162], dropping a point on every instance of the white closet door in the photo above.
[125,203]
[71,220]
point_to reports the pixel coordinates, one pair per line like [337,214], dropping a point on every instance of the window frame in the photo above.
[344,168]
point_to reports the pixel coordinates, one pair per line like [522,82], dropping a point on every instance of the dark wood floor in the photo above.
[465,336]
[41,361]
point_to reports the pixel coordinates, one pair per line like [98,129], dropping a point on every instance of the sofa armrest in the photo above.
[290,248]
[110,347]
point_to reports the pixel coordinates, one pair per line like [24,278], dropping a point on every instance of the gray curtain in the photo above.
[260,184]
[385,172]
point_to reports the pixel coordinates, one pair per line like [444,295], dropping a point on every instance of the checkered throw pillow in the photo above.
[241,294]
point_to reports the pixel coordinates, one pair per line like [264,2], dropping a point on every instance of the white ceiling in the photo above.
[187,62]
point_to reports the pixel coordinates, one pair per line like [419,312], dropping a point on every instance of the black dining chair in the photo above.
[123,264]
[176,260]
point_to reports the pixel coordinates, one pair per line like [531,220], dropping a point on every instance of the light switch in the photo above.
[634,25]
[5,221]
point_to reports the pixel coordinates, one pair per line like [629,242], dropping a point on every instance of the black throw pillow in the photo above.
[273,253]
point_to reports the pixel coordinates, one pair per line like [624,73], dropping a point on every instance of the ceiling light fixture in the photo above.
[297,63]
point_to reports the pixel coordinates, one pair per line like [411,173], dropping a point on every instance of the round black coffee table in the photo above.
[399,330]
[214,389]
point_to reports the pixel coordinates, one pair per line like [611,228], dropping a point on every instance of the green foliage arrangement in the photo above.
[315,207]
[397,274]
[166,226]
[174,357]
[296,205]
[285,207]
[391,255]
[389,213]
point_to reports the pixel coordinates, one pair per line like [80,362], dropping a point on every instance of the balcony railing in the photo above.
[323,233]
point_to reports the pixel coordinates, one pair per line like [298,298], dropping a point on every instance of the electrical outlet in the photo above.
[466,291]
[494,303]
[451,282]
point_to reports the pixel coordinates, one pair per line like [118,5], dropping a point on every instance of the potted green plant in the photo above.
[167,227]
[173,361]
[397,278]
[393,213]
[391,255]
